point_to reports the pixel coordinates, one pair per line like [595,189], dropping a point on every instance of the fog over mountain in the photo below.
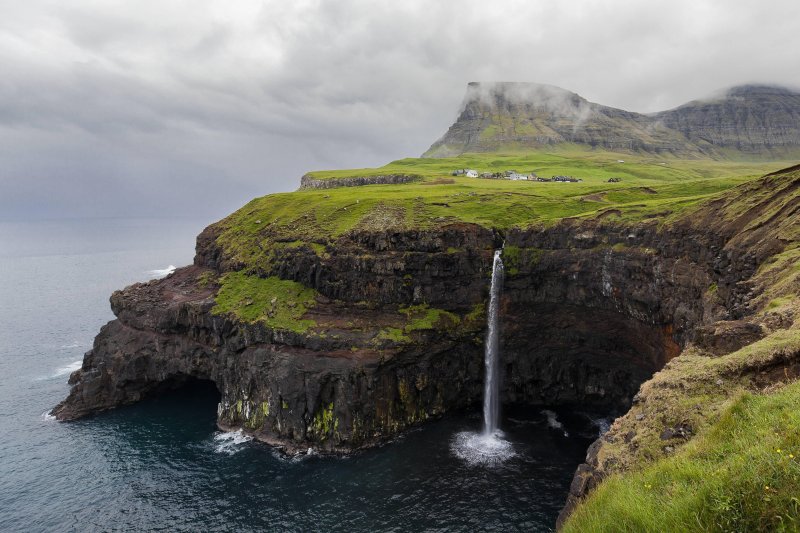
[191,108]
[748,121]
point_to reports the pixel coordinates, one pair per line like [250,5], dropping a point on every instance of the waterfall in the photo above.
[491,386]
[489,447]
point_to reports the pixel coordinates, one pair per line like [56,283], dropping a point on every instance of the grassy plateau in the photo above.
[650,187]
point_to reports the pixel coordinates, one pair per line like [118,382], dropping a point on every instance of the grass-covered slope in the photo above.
[259,236]
[279,304]
[741,474]
[713,440]
[650,188]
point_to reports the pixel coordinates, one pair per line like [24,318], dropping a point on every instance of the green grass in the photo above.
[595,165]
[422,318]
[277,303]
[742,474]
[651,188]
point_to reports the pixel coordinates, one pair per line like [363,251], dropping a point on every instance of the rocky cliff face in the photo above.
[512,116]
[309,182]
[751,348]
[753,119]
[590,311]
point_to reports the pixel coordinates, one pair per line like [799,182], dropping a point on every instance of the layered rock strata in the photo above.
[750,120]
[590,310]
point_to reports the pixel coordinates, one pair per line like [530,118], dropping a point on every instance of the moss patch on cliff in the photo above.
[280,304]
[325,424]
[516,258]
[420,318]
[743,474]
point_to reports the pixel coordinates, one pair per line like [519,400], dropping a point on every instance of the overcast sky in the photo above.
[191,108]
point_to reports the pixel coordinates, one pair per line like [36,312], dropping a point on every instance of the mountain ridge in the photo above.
[749,120]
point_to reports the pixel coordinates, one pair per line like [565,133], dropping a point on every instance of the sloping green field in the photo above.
[649,188]
[594,165]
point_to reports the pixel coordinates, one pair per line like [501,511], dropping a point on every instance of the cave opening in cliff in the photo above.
[579,356]
[191,389]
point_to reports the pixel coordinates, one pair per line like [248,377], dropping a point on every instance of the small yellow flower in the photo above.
[791,456]
[778,450]
[766,487]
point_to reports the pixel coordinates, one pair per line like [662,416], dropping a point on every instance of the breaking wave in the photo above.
[602,424]
[230,442]
[67,369]
[161,272]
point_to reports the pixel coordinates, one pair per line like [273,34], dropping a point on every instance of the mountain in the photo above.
[522,116]
[749,118]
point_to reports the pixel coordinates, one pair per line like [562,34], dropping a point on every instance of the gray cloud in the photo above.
[191,108]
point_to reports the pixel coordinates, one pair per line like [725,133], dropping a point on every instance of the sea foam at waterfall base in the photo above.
[163,464]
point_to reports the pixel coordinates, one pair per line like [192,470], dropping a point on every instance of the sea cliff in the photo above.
[339,340]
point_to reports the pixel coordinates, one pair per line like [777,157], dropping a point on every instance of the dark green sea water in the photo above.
[162,465]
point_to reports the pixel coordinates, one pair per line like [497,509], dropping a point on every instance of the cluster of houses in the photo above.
[512,175]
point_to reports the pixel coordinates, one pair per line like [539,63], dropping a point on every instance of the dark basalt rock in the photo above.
[309,182]
[750,118]
[590,311]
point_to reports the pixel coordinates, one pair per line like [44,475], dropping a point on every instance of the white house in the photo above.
[471,173]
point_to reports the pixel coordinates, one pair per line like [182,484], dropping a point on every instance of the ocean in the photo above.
[162,465]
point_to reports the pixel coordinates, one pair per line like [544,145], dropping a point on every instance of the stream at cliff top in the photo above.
[162,465]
